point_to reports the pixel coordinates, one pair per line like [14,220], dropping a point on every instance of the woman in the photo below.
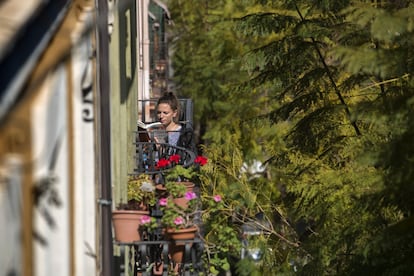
[168,113]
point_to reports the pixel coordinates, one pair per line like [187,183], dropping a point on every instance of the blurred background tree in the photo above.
[320,93]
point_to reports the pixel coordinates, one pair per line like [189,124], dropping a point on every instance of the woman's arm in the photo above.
[186,139]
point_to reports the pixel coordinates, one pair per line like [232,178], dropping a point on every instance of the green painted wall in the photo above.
[124,95]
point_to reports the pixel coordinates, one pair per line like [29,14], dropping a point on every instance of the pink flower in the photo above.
[190,195]
[178,221]
[201,160]
[163,201]
[217,198]
[175,158]
[145,219]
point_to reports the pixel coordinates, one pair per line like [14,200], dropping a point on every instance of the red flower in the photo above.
[175,158]
[162,163]
[201,160]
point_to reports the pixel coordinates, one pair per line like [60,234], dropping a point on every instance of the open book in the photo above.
[147,131]
[143,125]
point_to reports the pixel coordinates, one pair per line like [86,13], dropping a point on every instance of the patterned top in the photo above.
[173,136]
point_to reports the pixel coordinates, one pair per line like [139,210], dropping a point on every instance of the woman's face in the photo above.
[165,114]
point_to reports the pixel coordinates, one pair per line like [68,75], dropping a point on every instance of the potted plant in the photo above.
[184,221]
[129,215]
[140,193]
[183,224]
[173,172]
[179,202]
[180,225]
[175,215]
[178,179]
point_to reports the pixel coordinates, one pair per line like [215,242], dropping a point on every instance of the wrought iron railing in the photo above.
[149,153]
[148,258]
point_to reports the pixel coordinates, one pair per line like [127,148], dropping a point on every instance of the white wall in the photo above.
[84,155]
[10,214]
[50,165]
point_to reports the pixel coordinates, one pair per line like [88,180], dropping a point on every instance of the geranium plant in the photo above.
[204,207]
[172,170]
[176,215]
[149,223]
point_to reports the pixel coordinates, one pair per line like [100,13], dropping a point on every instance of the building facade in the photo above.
[72,74]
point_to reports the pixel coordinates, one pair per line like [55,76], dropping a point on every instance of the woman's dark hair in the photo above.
[170,99]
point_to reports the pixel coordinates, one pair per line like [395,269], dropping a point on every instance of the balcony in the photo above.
[155,252]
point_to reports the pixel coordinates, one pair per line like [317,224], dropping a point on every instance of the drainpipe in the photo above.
[104,141]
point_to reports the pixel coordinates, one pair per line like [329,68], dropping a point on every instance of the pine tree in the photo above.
[331,163]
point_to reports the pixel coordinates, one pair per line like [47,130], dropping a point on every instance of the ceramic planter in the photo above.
[126,225]
[179,238]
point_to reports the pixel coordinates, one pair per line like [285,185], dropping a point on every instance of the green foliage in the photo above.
[141,191]
[175,189]
[177,216]
[246,194]
[180,172]
[322,93]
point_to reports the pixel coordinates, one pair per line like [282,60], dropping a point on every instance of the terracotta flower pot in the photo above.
[126,224]
[189,185]
[179,238]
[161,190]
